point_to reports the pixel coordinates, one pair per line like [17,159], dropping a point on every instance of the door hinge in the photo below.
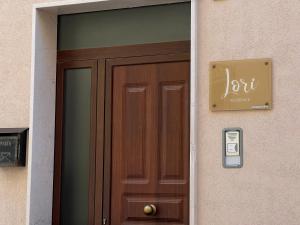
[104,222]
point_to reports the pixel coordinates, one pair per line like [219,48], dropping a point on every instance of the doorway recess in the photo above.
[42,115]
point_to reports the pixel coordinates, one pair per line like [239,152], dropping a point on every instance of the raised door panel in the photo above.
[170,208]
[170,132]
[173,132]
[134,131]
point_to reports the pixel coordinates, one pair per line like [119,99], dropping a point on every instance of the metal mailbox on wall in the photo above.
[241,85]
[13,146]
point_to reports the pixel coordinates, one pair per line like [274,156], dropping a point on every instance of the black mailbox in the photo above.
[13,146]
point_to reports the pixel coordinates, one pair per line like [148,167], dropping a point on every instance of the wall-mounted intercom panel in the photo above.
[232,149]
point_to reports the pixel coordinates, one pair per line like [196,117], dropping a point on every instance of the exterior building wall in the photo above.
[15,69]
[266,190]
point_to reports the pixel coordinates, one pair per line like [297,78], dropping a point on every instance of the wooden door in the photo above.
[134,148]
[148,150]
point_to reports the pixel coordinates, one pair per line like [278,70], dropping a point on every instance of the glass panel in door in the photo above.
[76,147]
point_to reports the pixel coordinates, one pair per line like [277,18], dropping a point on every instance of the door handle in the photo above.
[150,210]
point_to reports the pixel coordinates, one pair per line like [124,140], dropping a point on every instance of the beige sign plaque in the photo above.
[241,85]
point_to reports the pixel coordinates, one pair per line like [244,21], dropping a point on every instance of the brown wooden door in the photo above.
[149,152]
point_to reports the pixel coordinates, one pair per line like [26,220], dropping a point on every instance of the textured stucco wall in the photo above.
[15,56]
[266,190]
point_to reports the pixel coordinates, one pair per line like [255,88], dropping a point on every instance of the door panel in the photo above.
[76,145]
[135,165]
[150,139]
[171,132]
[73,200]
[170,208]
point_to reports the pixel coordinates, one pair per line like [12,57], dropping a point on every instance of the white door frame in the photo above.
[42,106]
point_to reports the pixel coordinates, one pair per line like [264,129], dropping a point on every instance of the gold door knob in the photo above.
[150,210]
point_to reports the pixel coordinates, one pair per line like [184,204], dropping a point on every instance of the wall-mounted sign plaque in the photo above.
[241,85]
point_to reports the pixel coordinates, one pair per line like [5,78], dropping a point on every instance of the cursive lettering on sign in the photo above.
[237,86]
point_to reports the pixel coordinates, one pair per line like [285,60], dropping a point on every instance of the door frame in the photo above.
[100,61]
[42,100]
